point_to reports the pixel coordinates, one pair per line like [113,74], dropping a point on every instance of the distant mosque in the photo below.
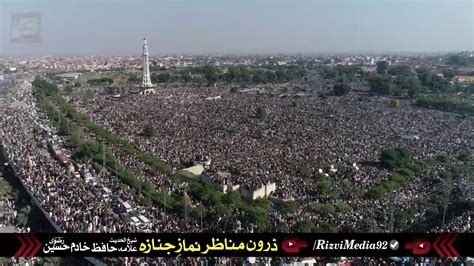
[147,86]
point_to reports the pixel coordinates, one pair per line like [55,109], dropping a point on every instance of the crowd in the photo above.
[298,138]
[460,224]
[47,180]
[8,210]
[68,201]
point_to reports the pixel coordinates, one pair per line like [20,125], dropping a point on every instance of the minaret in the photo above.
[146,68]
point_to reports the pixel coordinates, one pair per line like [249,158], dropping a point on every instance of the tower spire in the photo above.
[146,83]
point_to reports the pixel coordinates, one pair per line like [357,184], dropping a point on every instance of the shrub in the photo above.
[376,192]
[394,158]
[321,208]
[446,175]
[305,226]
[442,158]
[341,89]
[406,172]
[466,156]
[289,206]
[395,103]
[389,185]
[415,167]
[398,179]
[148,130]
[261,112]
[342,207]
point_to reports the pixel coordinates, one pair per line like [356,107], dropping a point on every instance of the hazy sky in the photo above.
[109,27]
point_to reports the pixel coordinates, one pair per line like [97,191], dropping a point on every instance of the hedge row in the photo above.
[398,179]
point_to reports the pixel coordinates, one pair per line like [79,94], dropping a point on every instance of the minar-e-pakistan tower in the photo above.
[146,83]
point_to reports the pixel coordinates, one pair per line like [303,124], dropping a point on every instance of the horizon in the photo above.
[289,54]
[230,27]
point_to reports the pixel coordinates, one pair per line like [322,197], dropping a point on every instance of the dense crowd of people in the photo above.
[298,138]
[68,201]
[461,224]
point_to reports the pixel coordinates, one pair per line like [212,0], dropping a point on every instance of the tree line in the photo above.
[239,74]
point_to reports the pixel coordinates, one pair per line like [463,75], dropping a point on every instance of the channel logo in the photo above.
[419,246]
[293,245]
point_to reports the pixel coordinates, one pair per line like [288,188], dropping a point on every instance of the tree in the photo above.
[162,77]
[112,90]
[305,226]
[211,74]
[148,130]
[443,158]
[342,207]
[400,71]
[407,83]
[261,112]
[403,217]
[257,216]
[327,228]
[395,103]
[395,157]
[322,208]
[449,73]
[367,225]
[381,84]
[133,78]
[68,89]
[263,203]
[382,67]
[270,76]
[186,78]
[465,156]
[376,192]
[413,92]
[341,89]
[100,81]
[282,76]
[259,77]
[282,228]
[23,215]
[439,84]
[146,201]
[232,198]
[424,75]
[460,60]
[90,94]
[289,206]
[323,184]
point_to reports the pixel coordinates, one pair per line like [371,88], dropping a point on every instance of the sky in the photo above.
[117,27]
